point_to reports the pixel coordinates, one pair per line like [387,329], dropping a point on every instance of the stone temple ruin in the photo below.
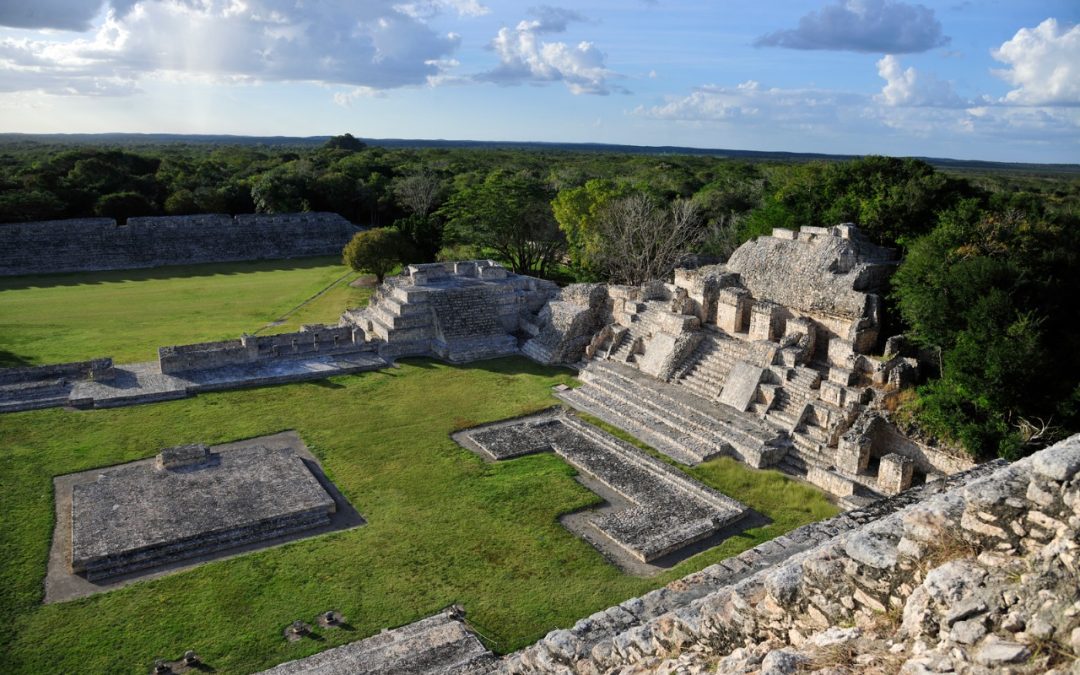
[766,358]
[769,359]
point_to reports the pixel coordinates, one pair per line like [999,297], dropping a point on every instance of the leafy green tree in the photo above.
[345,142]
[997,293]
[376,251]
[123,205]
[577,211]
[509,213]
[893,200]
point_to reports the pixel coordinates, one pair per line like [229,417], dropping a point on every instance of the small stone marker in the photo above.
[190,658]
[296,631]
[182,456]
[331,619]
[161,668]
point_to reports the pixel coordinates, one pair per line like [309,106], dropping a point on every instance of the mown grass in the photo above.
[128,314]
[443,526]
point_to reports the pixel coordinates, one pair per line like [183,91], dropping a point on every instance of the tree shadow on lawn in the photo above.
[503,365]
[13,360]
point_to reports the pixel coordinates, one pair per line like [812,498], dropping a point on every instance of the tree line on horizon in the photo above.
[988,278]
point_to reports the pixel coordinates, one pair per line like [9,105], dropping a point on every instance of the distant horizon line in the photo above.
[465,143]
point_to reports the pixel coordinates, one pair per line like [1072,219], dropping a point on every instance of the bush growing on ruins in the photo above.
[376,251]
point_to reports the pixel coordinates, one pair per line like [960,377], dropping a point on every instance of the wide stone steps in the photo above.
[702,422]
[677,423]
[655,433]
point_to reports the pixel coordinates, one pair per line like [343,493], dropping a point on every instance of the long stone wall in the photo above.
[90,244]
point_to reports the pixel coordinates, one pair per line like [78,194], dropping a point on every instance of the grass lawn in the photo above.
[443,526]
[128,314]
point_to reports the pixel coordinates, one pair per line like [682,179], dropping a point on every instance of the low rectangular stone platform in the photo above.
[187,503]
[144,382]
[664,509]
[438,645]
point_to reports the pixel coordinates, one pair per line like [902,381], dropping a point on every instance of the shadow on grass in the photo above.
[168,272]
[13,360]
[504,365]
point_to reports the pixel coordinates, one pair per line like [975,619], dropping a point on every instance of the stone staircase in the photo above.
[436,645]
[670,419]
[799,389]
[707,368]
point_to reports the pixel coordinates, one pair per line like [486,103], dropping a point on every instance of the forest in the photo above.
[988,281]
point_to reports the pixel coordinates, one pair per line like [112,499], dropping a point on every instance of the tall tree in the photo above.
[643,241]
[509,213]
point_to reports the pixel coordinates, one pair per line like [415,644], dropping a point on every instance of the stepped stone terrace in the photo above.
[663,509]
[190,501]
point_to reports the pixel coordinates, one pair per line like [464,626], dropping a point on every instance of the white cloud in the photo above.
[873,26]
[750,106]
[369,45]
[524,57]
[1044,65]
[57,14]
[425,9]
[753,109]
[910,88]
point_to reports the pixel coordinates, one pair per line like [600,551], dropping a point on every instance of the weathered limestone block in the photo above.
[665,352]
[733,310]
[784,233]
[766,320]
[703,286]
[740,388]
[801,334]
[853,453]
[894,474]
[841,353]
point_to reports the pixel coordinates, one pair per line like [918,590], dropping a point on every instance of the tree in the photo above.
[893,200]
[577,210]
[419,193]
[642,241]
[509,213]
[996,293]
[344,142]
[123,205]
[376,251]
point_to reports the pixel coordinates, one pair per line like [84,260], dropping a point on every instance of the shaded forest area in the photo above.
[989,279]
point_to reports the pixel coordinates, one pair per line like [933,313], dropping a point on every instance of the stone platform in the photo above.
[184,506]
[438,645]
[661,509]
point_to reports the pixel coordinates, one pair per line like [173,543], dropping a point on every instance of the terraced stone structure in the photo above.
[460,312]
[189,501]
[89,244]
[665,510]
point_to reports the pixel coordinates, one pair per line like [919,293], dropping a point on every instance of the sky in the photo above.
[968,79]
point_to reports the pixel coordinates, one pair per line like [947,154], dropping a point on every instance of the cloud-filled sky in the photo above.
[983,79]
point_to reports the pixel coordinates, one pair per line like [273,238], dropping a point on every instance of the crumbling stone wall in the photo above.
[979,578]
[310,340]
[100,244]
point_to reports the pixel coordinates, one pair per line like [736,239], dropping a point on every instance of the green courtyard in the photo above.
[128,314]
[442,526]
